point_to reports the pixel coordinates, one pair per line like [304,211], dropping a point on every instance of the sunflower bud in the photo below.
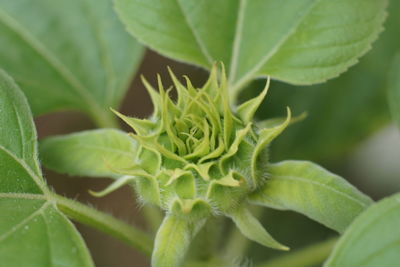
[198,156]
[198,149]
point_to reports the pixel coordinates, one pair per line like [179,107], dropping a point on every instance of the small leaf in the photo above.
[173,239]
[306,188]
[252,228]
[118,183]
[373,239]
[32,230]
[394,90]
[269,123]
[269,134]
[96,153]
[68,54]
[297,41]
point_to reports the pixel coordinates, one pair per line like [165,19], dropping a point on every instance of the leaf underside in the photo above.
[306,188]
[96,153]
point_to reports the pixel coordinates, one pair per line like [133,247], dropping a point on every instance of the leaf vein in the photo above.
[23,196]
[248,75]
[237,41]
[299,179]
[44,52]
[104,53]
[197,38]
[34,177]
[49,243]
[21,131]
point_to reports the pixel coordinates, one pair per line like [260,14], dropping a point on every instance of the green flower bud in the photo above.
[198,156]
[199,148]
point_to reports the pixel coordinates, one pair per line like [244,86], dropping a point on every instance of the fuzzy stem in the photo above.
[236,246]
[153,216]
[105,223]
[309,256]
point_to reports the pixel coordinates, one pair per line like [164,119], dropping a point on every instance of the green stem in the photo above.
[103,118]
[236,246]
[105,223]
[309,256]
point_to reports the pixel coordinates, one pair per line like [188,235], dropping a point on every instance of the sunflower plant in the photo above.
[200,157]
[200,165]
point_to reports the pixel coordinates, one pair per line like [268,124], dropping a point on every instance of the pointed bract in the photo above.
[141,127]
[266,135]
[120,182]
[247,110]
[154,96]
[252,229]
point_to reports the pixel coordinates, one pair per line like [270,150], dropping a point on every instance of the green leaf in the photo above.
[34,233]
[343,112]
[250,227]
[298,41]
[373,239]
[32,230]
[394,89]
[68,54]
[96,153]
[18,133]
[307,188]
[173,239]
[120,182]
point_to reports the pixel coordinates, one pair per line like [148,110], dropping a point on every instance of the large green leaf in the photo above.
[307,188]
[97,153]
[394,90]
[67,54]
[297,41]
[32,230]
[373,239]
[342,112]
